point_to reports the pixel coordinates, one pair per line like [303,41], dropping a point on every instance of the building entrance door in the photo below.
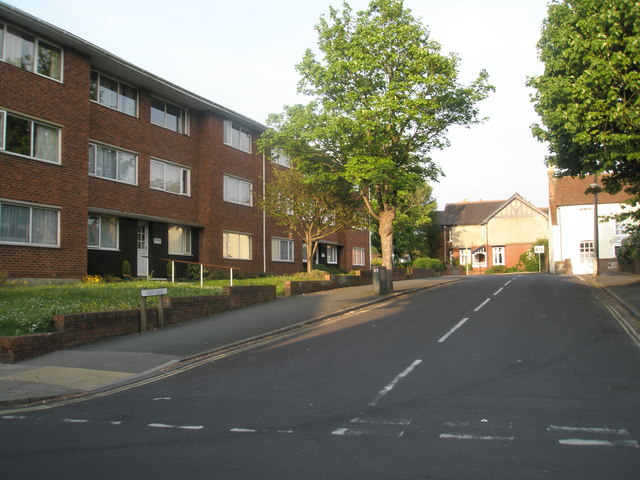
[143,249]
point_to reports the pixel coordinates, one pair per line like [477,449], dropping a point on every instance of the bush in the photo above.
[429,263]
[313,275]
[193,272]
[629,251]
[500,269]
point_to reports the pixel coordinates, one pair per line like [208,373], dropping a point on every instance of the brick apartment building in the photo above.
[102,162]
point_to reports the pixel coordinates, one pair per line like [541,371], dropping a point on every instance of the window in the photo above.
[621,228]
[113,94]
[465,256]
[168,115]
[112,164]
[237,137]
[279,157]
[359,256]
[281,250]
[332,254]
[586,252]
[179,241]
[30,224]
[498,255]
[103,232]
[237,246]
[316,258]
[479,257]
[170,178]
[29,138]
[30,53]
[238,191]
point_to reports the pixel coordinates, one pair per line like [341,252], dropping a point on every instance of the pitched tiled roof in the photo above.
[469,213]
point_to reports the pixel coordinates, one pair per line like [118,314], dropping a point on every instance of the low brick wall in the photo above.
[79,328]
[296,287]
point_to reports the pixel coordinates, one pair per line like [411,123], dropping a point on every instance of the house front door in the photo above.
[143,249]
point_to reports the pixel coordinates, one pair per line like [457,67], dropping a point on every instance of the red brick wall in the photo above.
[64,185]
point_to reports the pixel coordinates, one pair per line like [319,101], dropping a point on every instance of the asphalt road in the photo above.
[498,377]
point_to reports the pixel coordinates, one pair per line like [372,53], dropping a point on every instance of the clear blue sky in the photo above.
[242,55]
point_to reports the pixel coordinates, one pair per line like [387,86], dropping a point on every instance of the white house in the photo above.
[574,234]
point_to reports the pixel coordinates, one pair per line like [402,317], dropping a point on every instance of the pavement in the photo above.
[120,361]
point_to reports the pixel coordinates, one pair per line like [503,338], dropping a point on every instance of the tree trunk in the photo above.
[311,247]
[387,217]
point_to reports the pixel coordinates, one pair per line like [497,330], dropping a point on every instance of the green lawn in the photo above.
[28,309]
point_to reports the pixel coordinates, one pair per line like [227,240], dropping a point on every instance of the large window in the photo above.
[359,256]
[30,224]
[30,53]
[238,191]
[29,138]
[179,241]
[498,255]
[237,137]
[237,246]
[170,178]
[168,115]
[112,164]
[103,232]
[282,250]
[113,94]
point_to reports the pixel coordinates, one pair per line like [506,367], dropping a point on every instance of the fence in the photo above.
[202,265]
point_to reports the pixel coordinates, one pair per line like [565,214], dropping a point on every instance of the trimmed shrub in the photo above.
[429,263]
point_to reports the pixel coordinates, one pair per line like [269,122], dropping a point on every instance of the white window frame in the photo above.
[498,255]
[185,240]
[232,190]
[38,43]
[233,237]
[280,158]
[30,227]
[234,135]
[184,174]
[332,254]
[277,245]
[33,137]
[94,94]
[99,245]
[586,250]
[359,254]
[93,156]
[183,122]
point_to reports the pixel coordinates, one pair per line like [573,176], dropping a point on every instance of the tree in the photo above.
[383,96]
[311,208]
[588,97]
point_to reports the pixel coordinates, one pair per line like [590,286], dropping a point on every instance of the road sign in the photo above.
[538,249]
[153,292]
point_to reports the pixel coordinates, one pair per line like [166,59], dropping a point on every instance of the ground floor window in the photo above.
[332,254]
[28,224]
[465,256]
[586,252]
[103,232]
[179,240]
[498,255]
[237,246]
[480,258]
[358,256]
[282,250]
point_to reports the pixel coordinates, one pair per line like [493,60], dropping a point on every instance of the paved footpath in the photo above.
[117,361]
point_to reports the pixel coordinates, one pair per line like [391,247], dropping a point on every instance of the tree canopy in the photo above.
[382,97]
[588,97]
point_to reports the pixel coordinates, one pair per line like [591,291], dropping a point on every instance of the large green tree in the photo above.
[588,97]
[382,97]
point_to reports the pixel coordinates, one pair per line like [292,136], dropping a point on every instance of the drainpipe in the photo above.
[264,214]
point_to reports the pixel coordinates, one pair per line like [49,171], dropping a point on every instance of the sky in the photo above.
[242,55]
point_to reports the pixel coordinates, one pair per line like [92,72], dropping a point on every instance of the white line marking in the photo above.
[191,427]
[482,305]
[450,332]
[600,430]
[160,425]
[75,420]
[13,417]
[393,383]
[161,398]
[115,422]
[243,430]
[508,283]
[498,291]
[351,431]
[580,442]
[464,436]
[381,421]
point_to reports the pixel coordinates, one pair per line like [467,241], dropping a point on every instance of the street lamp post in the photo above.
[596,236]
